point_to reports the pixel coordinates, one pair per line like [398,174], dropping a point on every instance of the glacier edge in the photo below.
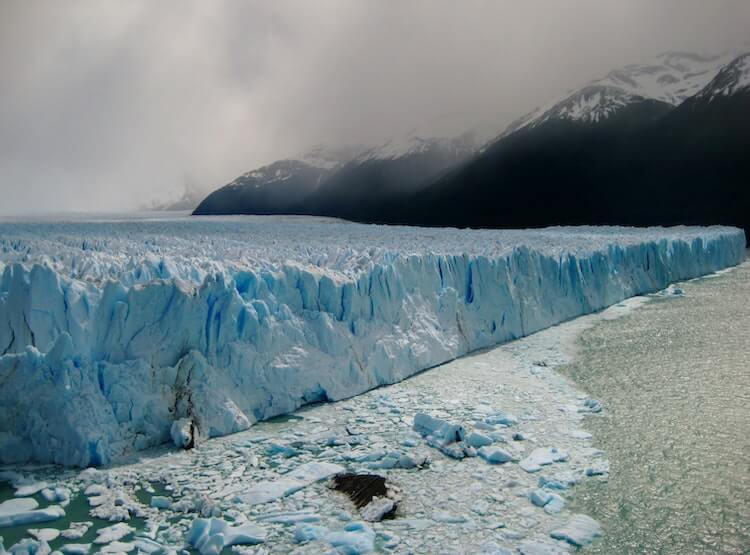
[93,369]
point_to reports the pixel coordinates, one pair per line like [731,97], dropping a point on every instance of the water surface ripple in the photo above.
[675,378]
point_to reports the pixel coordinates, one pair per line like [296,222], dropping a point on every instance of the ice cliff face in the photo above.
[112,331]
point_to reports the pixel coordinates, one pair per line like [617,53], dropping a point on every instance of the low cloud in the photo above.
[110,105]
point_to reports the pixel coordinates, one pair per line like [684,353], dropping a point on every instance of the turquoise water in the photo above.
[675,378]
[76,511]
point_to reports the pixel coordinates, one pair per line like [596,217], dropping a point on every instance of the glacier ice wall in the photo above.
[111,331]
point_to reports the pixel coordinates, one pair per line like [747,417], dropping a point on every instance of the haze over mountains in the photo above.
[664,142]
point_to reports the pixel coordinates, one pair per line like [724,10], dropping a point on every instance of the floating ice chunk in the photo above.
[440,430]
[592,405]
[15,506]
[580,434]
[290,517]
[478,440]
[210,536]
[371,456]
[146,545]
[598,468]
[304,532]
[76,530]
[390,541]
[580,530]
[16,512]
[285,451]
[453,450]
[113,533]
[529,547]
[57,495]
[548,483]
[407,461]
[355,539]
[448,518]
[27,546]
[161,502]
[409,442]
[501,418]
[495,455]
[25,488]
[244,534]
[555,504]
[540,498]
[76,548]
[118,547]
[91,475]
[491,548]
[183,432]
[44,534]
[289,483]
[95,489]
[377,509]
[542,456]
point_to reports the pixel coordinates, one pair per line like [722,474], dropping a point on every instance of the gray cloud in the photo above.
[108,105]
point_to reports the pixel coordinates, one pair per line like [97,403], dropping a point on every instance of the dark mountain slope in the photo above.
[542,175]
[272,189]
[360,189]
[647,164]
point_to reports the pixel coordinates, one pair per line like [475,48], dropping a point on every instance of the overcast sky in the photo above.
[108,104]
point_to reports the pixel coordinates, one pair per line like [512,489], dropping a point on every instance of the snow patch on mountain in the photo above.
[734,78]
[111,331]
[412,144]
[671,77]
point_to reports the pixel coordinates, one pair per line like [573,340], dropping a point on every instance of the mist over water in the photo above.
[675,378]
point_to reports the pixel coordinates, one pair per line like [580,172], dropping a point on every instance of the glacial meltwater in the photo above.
[674,377]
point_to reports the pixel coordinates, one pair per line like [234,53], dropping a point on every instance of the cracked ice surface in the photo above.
[447,505]
[121,334]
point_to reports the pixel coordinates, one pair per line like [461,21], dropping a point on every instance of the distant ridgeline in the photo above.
[659,143]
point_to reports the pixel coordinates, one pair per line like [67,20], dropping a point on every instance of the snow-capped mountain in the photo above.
[274,188]
[652,163]
[380,175]
[413,144]
[671,78]
[732,79]
[323,181]
[665,131]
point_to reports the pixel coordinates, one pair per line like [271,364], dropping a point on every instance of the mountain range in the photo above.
[663,142]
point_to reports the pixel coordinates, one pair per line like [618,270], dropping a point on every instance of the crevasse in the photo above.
[98,360]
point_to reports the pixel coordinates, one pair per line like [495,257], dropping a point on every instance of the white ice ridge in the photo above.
[112,330]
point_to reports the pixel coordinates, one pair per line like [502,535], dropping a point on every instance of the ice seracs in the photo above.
[123,335]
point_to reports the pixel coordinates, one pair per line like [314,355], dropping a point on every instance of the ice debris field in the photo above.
[482,454]
[119,335]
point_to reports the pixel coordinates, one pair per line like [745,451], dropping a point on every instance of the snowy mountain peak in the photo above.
[733,78]
[670,77]
[592,103]
[415,144]
[272,173]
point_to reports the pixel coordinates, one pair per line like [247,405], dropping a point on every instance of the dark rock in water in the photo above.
[374,498]
[360,488]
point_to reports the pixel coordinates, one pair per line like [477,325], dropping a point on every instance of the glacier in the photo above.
[112,330]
